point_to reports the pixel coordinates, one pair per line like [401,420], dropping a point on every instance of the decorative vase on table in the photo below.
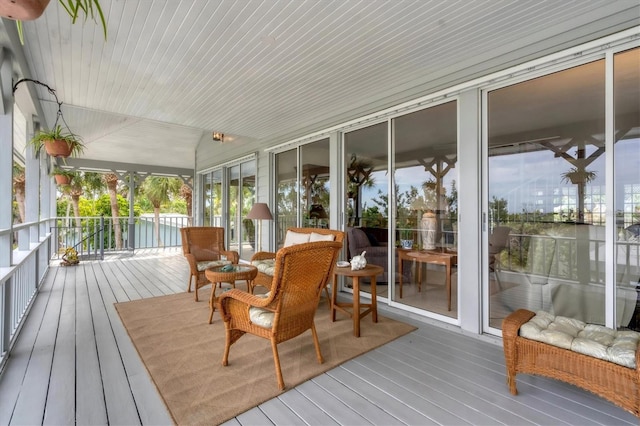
[428,226]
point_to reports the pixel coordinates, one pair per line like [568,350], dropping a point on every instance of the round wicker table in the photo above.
[238,273]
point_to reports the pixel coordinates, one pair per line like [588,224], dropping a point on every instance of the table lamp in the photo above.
[260,212]
[317,212]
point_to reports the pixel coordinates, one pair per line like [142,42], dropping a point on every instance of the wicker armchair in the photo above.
[203,246]
[288,309]
[263,260]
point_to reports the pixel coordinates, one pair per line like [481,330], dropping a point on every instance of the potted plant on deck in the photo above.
[62,176]
[57,143]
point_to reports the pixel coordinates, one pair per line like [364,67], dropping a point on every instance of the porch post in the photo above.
[32,193]
[132,225]
[6,161]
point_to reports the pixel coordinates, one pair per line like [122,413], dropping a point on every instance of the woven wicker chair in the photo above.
[203,246]
[264,278]
[301,272]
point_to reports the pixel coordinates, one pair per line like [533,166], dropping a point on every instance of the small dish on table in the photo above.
[342,264]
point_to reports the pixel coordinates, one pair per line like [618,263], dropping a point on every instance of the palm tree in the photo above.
[187,194]
[18,188]
[157,190]
[111,179]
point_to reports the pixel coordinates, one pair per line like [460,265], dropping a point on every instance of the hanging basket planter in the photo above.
[57,143]
[23,10]
[58,148]
[62,179]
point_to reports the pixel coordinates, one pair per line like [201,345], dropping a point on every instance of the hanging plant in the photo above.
[576,176]
[62,176]
[57,143]
[28,10]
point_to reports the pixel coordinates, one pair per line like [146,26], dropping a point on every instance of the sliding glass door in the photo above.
[426,209]
[547,223]
[302,188]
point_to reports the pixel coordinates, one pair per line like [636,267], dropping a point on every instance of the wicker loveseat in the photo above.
[265,261]
[612,381]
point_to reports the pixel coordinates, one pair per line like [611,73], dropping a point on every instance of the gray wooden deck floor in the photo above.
[74,364]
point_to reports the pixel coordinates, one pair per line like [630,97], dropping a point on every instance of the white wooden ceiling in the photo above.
[171,72]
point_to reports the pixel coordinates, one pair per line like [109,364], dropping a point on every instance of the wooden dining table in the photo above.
[437,257]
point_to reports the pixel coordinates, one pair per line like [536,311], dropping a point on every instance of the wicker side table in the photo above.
[217,275]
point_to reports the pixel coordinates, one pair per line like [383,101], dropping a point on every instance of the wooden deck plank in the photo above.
[454,368]
[60,408]
[132,292]
[428,407]
[338,410]
[30,406]
[276,413]
[461,403]
[16,368]
[121,408]
[371,413]
[90,401]
[379,396]
[307,411]
[156,287]
[150,407]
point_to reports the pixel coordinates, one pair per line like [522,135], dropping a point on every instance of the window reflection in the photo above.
[626,83]
[547,186]
[425,179]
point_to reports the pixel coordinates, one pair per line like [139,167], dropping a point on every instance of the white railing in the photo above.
[96,235]
[19,285]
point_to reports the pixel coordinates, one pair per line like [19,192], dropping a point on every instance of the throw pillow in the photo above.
[293,238]
[321,237]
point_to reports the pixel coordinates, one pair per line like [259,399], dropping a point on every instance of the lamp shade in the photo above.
[260,211]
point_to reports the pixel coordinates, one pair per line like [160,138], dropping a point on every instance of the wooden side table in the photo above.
[429,256]
[217,275]
[355,313]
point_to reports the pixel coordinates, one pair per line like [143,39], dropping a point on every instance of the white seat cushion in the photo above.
[260,316]
[266,266]
[589,339]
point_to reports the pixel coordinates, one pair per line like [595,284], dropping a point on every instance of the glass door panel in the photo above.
[315,198]
[626,85]
[425,177]
[367,208]
[247,232]
[286,194]
[234,219]
[546,195]
[213,199]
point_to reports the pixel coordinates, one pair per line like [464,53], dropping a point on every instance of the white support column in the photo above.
[46,188]
[32,187]
[6,161]
[469,217]
[131,232]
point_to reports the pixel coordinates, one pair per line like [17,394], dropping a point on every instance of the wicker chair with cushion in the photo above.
[264,260]
[203,246]
[288,309]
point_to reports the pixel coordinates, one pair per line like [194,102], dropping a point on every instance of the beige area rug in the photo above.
[183,355]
